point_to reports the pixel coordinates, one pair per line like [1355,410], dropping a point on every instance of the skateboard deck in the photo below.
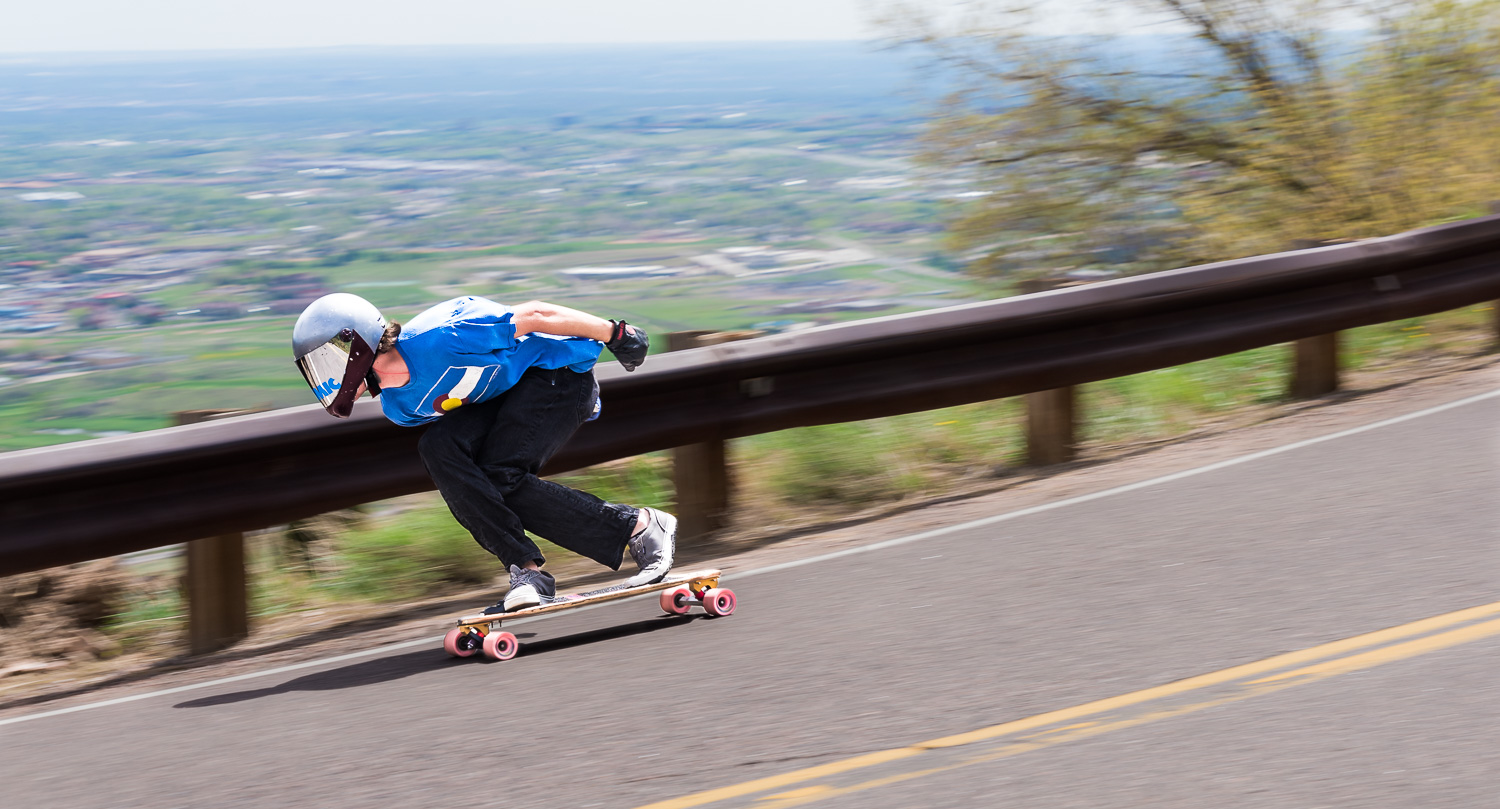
[680,592]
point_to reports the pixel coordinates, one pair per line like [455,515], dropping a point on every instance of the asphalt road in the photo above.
[1318,626]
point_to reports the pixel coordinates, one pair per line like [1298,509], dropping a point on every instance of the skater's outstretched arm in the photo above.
[549,318]
[628,343]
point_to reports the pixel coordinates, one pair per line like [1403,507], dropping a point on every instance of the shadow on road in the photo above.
[387,669]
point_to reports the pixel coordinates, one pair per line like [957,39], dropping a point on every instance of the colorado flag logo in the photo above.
[460,385]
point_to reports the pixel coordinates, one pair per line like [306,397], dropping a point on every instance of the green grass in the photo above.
[188,366]
[645,480]
[881,460]
[178,297]
[404,269]
[392,296]
[1170,401]
[410,555]
[153,610]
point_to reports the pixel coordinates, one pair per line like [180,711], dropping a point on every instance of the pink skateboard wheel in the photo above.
[459,643]
[718,601]
[675,601]
[501,646]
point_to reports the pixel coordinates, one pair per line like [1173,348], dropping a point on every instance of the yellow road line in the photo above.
[1400,651]
[1086,730]
[1222,676]
[1340,650]
[775,781]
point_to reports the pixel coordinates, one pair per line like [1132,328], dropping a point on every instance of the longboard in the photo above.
[480,632]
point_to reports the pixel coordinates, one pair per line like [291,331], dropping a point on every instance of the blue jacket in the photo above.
[465,351]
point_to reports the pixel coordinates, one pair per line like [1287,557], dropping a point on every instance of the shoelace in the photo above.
[526,576]
[638,542]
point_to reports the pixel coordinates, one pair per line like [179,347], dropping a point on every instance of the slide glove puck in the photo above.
[629,344]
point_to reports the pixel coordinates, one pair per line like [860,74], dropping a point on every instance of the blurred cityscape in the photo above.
[163,219]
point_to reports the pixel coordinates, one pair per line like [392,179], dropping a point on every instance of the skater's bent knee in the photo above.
[505,478]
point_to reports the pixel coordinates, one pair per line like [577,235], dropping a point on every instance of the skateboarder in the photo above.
[500,389]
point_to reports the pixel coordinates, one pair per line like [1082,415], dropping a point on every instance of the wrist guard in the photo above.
[628,343]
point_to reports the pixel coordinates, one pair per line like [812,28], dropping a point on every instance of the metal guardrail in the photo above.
[101,498]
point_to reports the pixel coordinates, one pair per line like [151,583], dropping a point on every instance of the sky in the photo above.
[33,26]
[51,26]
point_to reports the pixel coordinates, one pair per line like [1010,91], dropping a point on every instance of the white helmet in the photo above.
[334,342]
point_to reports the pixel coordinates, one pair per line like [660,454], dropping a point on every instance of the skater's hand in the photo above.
[628,344]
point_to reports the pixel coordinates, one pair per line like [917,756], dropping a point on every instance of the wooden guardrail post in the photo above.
[1315,360]
[214,575]
[1315,368]
[700,472]
[218,608]
[1050,414]
[1050,420]
[1495,305]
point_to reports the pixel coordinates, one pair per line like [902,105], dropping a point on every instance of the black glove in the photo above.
[628,344]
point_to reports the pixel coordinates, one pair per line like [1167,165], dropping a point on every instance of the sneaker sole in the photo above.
[636,581]
[524,602]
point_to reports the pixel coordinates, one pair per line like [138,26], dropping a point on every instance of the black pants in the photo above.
[485,457]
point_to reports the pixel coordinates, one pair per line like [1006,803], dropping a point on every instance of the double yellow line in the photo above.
[1114,713]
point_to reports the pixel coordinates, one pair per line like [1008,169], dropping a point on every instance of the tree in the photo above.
[1245,126]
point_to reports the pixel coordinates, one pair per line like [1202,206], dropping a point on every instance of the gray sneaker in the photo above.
[528,588]
[653,548]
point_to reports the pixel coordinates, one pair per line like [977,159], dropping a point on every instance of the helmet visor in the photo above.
[334,370]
